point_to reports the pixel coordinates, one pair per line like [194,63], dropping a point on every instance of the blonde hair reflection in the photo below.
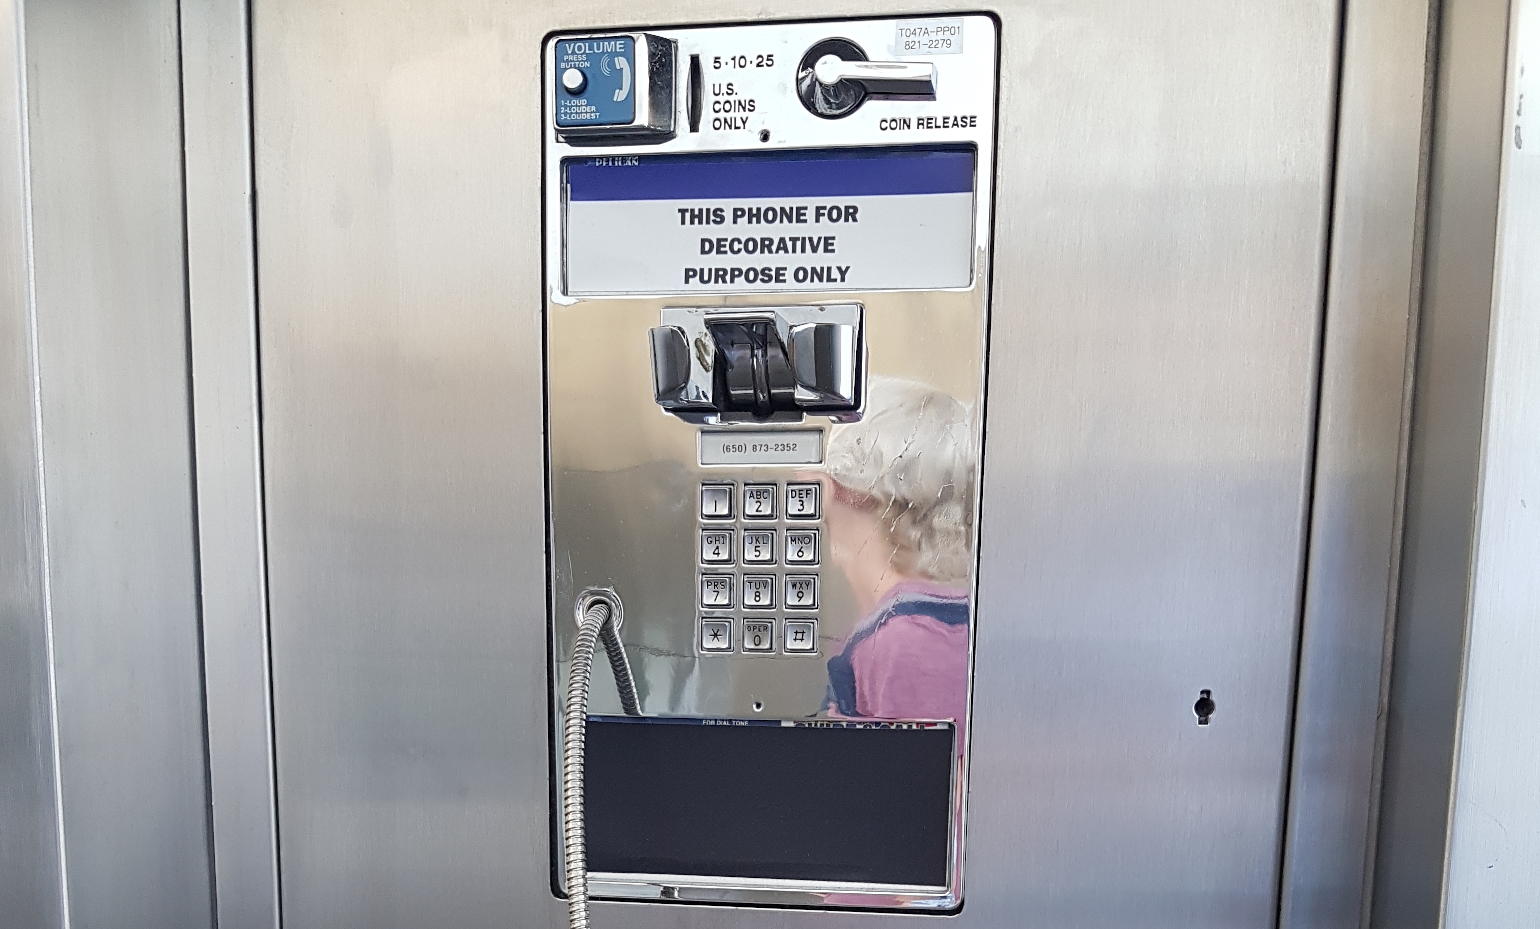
[910,460]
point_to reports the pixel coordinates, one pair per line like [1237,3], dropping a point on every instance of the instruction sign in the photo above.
[898,219]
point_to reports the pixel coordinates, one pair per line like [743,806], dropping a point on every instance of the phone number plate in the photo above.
[778,447]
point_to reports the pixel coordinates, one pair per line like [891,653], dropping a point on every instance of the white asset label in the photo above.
[929,37]
[804,221]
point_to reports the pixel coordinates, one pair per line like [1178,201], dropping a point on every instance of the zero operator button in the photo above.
[716,501]
[758,635]
[802,501]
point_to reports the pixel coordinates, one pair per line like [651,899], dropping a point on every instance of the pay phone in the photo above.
[767,256]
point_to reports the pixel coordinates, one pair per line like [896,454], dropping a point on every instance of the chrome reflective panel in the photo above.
[744,582]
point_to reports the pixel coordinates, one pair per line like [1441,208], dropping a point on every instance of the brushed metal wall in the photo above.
[1162,226]
[1495,815]
[30,868]
[111,377]
[1443,465]
[1157,222]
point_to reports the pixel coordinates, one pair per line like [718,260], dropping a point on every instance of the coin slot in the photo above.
[694,93]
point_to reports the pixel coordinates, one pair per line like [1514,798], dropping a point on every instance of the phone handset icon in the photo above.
[625,79]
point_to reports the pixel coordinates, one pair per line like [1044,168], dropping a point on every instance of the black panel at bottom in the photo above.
[759,799]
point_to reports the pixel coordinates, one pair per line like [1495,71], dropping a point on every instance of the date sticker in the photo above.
[929,37]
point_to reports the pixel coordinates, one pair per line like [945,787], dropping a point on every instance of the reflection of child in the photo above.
[900,523]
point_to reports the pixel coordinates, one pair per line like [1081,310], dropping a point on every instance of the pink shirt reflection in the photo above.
[909,660]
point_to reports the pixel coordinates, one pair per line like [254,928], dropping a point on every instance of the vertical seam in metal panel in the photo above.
[1475,530]
[1403,456]
[23,104]
[247,46]
[192,463]
[1328,215]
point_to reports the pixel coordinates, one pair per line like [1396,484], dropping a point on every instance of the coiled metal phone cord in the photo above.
[598,624]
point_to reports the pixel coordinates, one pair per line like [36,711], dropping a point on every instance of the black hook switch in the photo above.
[752,372]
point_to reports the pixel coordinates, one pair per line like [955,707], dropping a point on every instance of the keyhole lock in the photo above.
[1204,708]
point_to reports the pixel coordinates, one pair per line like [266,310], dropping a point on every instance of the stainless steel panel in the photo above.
[1355,516]
[1443,462]
[1493,852]
[105,152]
[397,166]
[1162,200]
[31,870]
[223,344]
[625,477]
[1158,291]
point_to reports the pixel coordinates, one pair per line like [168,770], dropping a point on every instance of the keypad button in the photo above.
[801,591]
[759,501]
[801,501]
[716,546]
[716,590]
[800,636]
[758,635]
[716,635]
[802,546]
[758,592]
[716,501]
[758,547]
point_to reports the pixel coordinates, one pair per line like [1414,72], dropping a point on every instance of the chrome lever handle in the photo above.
[879,77]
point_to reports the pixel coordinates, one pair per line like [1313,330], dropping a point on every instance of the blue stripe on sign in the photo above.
[849,173]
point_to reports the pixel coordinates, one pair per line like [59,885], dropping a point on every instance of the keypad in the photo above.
[758,562]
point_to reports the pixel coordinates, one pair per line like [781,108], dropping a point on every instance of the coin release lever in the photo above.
[913,78]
